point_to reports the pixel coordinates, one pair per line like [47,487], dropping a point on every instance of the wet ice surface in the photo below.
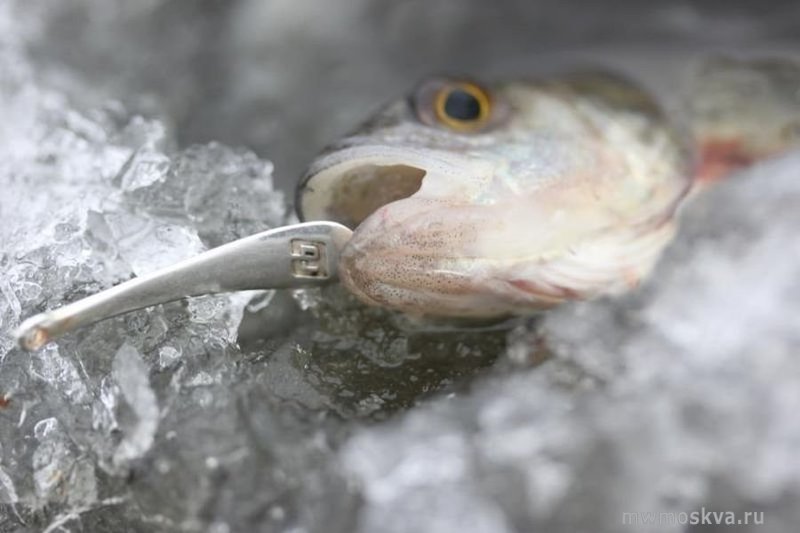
[308,412]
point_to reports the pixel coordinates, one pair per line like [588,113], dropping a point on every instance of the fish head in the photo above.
[406,149]
[471,200]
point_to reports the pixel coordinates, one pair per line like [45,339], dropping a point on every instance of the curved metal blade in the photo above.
[290,256]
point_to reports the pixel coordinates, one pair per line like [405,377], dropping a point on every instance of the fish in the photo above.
[485,200]
[481,201]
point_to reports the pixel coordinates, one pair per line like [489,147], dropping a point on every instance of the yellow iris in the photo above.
[462,106]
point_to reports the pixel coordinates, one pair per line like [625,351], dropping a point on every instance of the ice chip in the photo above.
[61,372]
[147,245]
[168,356]
[82,483]
[8,493]
[51,460]
[225,193]
[144,168]
[132,378]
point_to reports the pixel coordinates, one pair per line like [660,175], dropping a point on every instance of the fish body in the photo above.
[742,112]
[483,201]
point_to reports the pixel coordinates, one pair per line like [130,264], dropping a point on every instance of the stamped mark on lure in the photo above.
[309,259]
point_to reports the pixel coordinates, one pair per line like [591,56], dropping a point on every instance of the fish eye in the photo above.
[462,106]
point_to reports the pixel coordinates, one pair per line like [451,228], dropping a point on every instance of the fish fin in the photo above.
[743,111]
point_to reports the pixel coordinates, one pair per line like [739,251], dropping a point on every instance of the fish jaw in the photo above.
[431,257]
[410,256]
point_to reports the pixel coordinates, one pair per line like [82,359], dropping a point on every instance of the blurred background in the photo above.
[283,77]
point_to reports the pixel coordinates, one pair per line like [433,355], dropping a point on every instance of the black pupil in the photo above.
[461,105]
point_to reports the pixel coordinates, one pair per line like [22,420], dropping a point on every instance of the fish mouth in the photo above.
[427,242]
[349,185]
[391,196]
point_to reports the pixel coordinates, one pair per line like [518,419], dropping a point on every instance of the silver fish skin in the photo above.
[567,189]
